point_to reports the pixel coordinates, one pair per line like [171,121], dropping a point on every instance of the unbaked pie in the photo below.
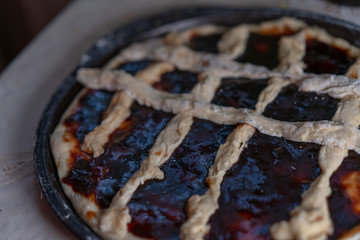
[248,132]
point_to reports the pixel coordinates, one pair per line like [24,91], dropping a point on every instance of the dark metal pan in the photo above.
[108,46]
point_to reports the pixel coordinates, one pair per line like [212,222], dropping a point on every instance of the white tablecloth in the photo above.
[27,84]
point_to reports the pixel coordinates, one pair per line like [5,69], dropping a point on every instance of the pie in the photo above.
[214,132]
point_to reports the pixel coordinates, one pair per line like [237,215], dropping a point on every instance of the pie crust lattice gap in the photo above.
[338,135]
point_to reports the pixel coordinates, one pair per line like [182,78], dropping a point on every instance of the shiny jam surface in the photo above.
[100,178]
[205,43]
[177,82]
[322,58]
[292,106]
[344,202]
[127,147]
[239,93]
[158,207]
[134,67]
[88,113]
[263,187]
[261,50]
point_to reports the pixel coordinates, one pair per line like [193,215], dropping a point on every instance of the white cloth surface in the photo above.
[28,82]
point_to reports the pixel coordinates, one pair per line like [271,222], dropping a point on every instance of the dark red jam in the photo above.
[261,50]
[88,114]
[205,43]
[135,66]
[127,147]
[158,207]
[177,82]
[292,106]
[344,208]
[263,187]
[100,178]
[239,93]
[323,58]
[89,111]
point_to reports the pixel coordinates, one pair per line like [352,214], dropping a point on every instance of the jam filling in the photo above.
[344,202]
[93,103]
[88,113]
[127,147]
[261,50]
[263,187]
[323,58]
[135,66]
[177,82]
[158,207]
[239,93]
[205,43]
[292,106]
[100,178]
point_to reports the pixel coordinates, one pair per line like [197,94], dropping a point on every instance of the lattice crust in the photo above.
[311,219]
[329,133]
[313,213]
[119,110]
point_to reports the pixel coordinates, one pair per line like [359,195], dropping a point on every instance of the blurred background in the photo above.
[21,21]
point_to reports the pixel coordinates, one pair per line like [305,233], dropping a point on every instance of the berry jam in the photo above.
[205,43]
[263,187]
[158,207]
[261,50]
[344,208]
[323,58]
[239,93]
[127,147]
[252,193]
[292,106]
[177,82]
[134,67]
[88,113]
[100,178]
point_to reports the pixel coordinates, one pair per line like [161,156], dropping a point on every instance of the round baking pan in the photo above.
[109,45]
